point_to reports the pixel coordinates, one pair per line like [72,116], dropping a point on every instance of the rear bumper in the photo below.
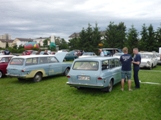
[17,76]
[85,85]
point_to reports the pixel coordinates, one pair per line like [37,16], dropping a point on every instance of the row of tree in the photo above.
[117,36]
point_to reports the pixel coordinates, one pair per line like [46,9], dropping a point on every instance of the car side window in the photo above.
[105,64]
[52,60]
[112,63]
[117,63]
[43,60]
[31,61]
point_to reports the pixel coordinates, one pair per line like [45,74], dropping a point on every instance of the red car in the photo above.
[29,52]
[4,60]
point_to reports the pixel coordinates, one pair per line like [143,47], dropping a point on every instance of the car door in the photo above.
[113,70]
[55,67]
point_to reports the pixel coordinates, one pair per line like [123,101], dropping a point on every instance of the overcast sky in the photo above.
[43,18]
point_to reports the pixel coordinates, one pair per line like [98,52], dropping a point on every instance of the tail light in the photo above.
[99,78]
[22,70]
[68,76]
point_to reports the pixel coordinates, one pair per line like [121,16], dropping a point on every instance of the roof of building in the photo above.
[4,40]
[25,39]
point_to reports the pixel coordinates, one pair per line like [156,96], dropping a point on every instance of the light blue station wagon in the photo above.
[37,66]
[95,72]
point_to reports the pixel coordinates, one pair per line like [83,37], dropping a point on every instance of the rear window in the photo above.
[85,65]
[17,61]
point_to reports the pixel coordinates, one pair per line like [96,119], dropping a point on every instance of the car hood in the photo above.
[60,56]
[145,60]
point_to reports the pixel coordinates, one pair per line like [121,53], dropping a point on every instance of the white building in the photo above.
[21,41]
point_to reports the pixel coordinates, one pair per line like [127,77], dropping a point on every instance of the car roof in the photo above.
[6,55]
[95,58]
[31,56]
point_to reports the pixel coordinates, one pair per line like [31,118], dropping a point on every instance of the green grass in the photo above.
[52,99]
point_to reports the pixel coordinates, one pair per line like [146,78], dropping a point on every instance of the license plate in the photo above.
[83,78]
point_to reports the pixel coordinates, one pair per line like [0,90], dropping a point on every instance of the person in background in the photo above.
[38,52]
[45,52]
[101,53]
[105,52]
[126,60]
[136,62]
[6,52]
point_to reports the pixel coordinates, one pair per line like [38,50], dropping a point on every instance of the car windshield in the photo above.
[85,65]
[146,56]
[17,61]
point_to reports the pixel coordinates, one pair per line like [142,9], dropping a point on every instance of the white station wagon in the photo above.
[37,66]
[95,72]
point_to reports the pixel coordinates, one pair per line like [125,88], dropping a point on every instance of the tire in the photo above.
[1,74]
[109,87]
[64,60]
[66,71]
[37,77]
[151,67]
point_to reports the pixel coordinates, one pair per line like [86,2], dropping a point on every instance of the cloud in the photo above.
[41,18]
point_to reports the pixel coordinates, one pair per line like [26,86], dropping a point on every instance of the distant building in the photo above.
[4,42]
[5,37]
[21,41]
[40,40]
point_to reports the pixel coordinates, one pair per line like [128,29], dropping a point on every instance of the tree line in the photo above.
[117,36]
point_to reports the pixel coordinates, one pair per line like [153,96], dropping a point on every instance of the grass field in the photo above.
[52,99]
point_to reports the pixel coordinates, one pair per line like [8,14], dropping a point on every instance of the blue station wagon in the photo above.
[95,72]
[37,66]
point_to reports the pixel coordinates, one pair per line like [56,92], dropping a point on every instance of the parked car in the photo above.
[29,52]
[118,55]
[4,60]
[148,60]
[37,66]
[88,54]
[70,56]
[95,72]
[158,57]
[112,51]
[48,51]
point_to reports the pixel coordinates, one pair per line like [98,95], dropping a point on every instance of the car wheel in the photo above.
[151,67]
[1,74]
[64,60]
[37,77]
[109,87]
[66,71]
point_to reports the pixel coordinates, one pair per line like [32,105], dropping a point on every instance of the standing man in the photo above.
[101,53]
[126,60]
[136,62]
[45,52]
[6,52]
